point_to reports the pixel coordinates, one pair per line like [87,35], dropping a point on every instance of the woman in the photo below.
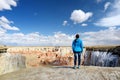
[77,47]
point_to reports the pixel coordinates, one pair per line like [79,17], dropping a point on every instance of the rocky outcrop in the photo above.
[45,56]
[100,58]
[11,62]
[48,58]
[36,56]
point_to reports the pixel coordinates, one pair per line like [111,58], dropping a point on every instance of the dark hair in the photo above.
[77,36]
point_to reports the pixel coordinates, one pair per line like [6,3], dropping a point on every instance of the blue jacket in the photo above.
[77,45]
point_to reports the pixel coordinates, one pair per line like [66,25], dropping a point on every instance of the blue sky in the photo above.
[55,22]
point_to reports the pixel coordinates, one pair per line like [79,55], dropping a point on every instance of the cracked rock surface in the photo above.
[64,73]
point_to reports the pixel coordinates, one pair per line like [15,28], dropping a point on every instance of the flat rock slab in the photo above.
[64,73]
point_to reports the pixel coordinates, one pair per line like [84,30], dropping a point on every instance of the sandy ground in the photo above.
[64,73]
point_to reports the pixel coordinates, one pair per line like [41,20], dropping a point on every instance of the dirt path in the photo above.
[64,73]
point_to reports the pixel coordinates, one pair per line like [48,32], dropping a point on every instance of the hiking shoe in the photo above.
[74,67]
[78,67]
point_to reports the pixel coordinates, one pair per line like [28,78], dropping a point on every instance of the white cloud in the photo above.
[109,36]
[79,16]
[84,24]
[6,24]
[65,23]
[109,21]
[113,17]
[103,37]
[6,4]
[32,39]
[4,19]
[2,31]
[107,4]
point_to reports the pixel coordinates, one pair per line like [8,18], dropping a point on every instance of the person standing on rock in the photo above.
[77,47]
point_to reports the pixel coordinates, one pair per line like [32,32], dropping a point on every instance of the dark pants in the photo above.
[77,57]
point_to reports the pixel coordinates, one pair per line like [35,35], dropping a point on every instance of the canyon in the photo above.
[55,63]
